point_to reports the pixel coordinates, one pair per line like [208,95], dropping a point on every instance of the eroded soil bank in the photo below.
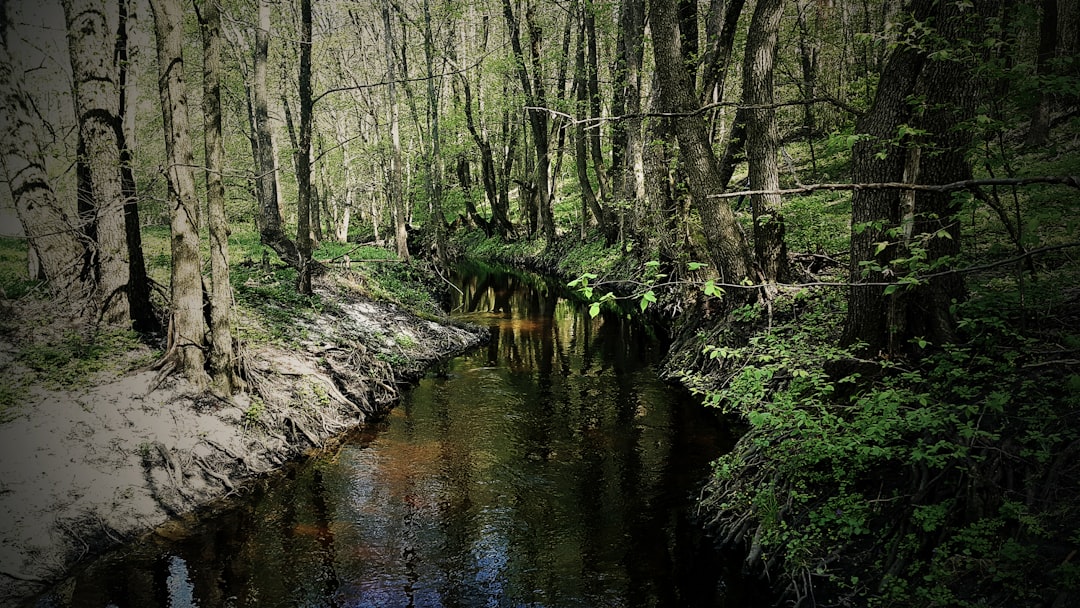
[83,470]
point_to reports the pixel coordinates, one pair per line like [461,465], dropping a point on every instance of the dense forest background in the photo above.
[878,197]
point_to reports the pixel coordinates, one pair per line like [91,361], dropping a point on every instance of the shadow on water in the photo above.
[550,467]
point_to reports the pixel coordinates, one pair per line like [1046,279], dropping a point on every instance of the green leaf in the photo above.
[594,309]
[693,266]
[891,289]
[647,299]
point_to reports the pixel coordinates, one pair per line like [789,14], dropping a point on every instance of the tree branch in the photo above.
[1067,180]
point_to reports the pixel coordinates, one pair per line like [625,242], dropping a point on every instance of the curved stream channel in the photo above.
[549,468]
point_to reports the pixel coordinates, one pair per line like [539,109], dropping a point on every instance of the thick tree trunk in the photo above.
[762,139]
[906,220]
[270,229]
[187,336]
[222,358]
[727,246]
[51,228]
[92,27]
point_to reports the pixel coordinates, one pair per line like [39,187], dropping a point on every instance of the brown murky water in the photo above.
[550,468]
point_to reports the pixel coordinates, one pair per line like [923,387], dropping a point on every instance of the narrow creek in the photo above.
[549,468]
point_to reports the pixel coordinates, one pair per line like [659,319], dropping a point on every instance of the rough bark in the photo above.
[762,139]
[187,330]
[51,228]
[221,360]
[912,219]
[91,30]
[727,247]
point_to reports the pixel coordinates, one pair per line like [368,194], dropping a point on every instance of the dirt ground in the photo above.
[83,470]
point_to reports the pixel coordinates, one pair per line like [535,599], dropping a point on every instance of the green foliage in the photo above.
[913,473]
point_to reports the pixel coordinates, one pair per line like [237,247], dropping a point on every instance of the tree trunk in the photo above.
[1039,131]
[720,26]
[187,337]
[304,243]
[91,29]
[727,246]
[436,169]
[590,205]
[592,70]
[394,187]
[906,220]
[627,146]
[270,230]
[762,139]
[52,231]
[538,118]
[144,318]
[222,360]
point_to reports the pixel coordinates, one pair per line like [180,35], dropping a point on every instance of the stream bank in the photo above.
[85,469]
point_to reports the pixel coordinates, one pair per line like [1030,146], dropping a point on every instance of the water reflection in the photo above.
[550,468]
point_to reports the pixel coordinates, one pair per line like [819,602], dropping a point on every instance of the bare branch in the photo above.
[1067,180]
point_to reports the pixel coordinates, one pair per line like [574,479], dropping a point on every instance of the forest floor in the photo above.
[97,460]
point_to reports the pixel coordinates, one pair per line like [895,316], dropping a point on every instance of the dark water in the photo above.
[548,468]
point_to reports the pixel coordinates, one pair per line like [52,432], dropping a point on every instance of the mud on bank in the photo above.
[83,470]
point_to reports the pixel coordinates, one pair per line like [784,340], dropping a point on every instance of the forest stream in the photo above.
[550,467]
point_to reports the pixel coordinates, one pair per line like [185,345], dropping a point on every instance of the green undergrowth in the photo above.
[946,477]
[949,479]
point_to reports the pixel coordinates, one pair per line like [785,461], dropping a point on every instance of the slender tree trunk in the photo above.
[1039,131]
[590,204]
[270,229]
[436,139]
[304,244]
[221,361]
[538,118]
[144,317]
[91,28]
[627,145]
[721,24]
[394,189]
[52,231]
[187,337]
[727,246]
[592,70]
[763,139]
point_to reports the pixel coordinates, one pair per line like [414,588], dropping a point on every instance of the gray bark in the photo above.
[187,336]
